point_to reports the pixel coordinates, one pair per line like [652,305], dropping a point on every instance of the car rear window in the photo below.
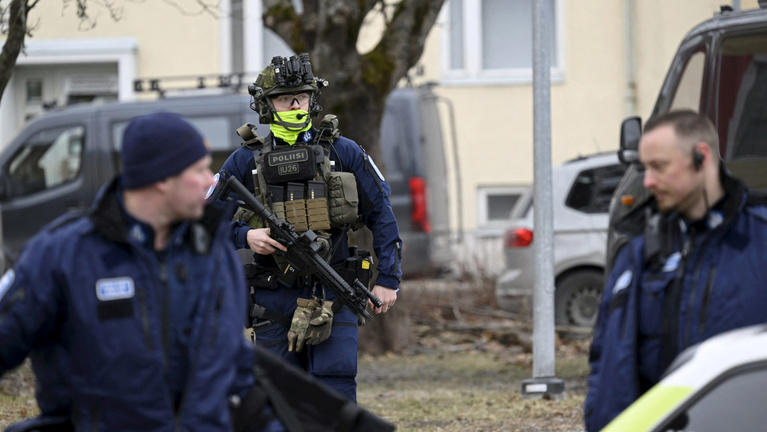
[593,188]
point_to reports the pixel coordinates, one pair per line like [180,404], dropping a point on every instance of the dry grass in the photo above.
[462,371]
[469,391]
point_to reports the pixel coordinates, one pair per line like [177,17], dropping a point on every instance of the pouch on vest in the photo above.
[317,206]
[343,198]
[291,164]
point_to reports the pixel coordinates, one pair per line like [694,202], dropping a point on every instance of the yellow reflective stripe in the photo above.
[648,409]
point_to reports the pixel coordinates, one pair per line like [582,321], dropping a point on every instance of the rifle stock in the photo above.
[303,253]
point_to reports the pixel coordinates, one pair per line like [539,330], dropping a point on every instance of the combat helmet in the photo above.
[285,75]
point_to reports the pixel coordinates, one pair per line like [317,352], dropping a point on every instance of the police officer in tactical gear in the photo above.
[316,179]
[132,313]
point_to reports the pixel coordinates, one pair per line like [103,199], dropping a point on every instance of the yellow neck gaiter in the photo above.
[287,125]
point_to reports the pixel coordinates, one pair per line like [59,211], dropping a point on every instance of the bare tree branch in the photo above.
[17,30]
[210,8]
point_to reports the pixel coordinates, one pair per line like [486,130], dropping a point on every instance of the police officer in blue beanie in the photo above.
[132,314]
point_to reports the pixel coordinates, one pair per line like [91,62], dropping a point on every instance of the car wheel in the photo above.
[577,298]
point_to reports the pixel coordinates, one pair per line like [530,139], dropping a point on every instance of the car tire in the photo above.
[577,298]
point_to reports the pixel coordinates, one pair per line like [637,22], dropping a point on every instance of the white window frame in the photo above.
[494,227]
[473,74]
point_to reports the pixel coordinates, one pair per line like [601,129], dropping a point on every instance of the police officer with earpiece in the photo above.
[696,270]
[311,176]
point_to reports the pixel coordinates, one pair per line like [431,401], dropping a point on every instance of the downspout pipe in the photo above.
[631,85]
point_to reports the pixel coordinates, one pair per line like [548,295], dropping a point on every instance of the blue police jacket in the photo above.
[98,313]
[374,204]
[673,287]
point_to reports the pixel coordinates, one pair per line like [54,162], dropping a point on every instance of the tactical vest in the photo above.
[298,184]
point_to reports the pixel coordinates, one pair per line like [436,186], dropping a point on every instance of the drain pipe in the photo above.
[456,166]
[631,85]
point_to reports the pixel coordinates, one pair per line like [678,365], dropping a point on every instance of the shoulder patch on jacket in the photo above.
[6,281]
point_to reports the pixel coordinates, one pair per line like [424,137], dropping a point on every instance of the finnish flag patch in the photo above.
[115,288]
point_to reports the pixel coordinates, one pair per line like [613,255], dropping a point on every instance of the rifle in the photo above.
[303,253]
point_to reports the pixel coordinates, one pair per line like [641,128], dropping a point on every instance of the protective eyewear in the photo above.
[288,99]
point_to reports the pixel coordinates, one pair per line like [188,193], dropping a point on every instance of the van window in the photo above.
[593,188]
[216,130]
[47,159]
[690,86]
[742,95]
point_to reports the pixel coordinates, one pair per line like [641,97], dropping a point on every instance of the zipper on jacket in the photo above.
[706,295]
[216,315]
[177,416]
[164,307]
[691,302]
[693,289]
[145,317]
[670,338]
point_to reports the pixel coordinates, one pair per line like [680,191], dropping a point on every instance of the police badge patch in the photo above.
[114,288]
[115,297]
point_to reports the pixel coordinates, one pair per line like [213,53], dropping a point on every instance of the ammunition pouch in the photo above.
[343,203]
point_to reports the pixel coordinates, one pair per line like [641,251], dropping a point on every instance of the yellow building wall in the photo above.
[171,40]
[495,122]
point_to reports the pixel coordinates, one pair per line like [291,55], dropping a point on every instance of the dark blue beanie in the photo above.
[157,146]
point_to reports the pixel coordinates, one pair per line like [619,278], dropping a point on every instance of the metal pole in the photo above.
[543,381]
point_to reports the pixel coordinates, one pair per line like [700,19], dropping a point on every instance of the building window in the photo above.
[35,91]
[492,41]
[496,203]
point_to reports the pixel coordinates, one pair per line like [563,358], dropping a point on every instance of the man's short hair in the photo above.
[688,125]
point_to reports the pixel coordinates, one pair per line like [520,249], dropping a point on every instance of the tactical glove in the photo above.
[300,322]
[321,324]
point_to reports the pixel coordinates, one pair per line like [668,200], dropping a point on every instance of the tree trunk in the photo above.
[359,83]
[17,30]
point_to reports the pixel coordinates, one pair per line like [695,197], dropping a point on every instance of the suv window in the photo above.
[215,129]
[739,396]
[47,159]
[742,94]
[688,91]
[593,188]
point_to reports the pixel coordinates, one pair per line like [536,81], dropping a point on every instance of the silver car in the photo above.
[582,189]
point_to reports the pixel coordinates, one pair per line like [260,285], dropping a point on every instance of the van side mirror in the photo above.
[631,131]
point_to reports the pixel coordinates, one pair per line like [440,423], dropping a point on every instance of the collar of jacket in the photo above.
[663,233]
[109,220]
